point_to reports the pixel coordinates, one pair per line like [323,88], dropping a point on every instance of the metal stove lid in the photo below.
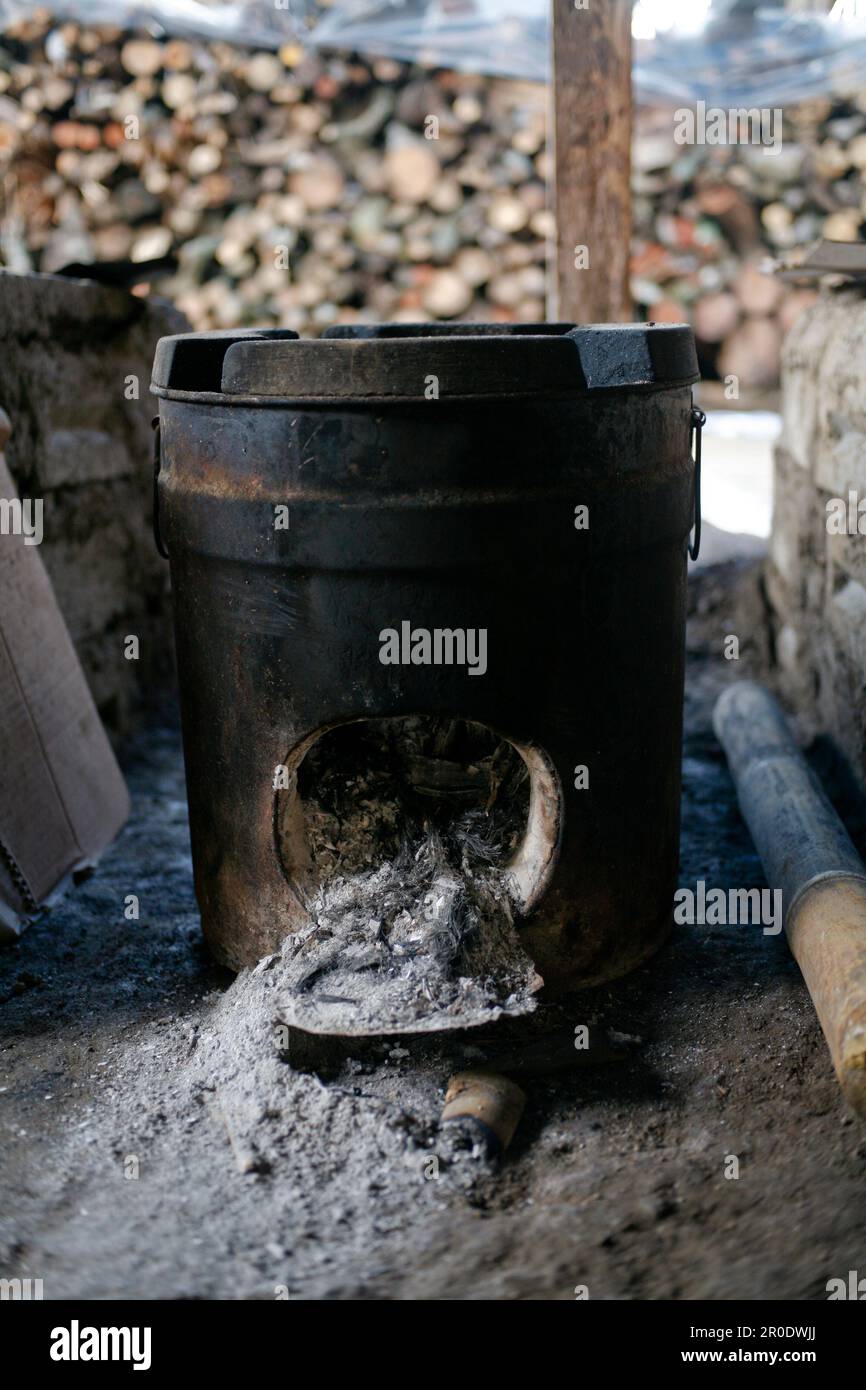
[400,362]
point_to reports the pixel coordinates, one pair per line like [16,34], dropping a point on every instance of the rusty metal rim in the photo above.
[361,402]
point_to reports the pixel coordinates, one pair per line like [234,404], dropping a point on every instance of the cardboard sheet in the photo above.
[62,795]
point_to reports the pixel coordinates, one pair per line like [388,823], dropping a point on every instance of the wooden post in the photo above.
[592,110]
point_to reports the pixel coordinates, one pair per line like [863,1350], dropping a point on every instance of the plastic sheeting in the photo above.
[765,59]
[685,50]
[249,23]
[509,38]
[722,52]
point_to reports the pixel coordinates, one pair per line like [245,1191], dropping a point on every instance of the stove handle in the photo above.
[699,419]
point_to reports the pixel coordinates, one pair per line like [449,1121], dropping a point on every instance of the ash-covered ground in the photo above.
[156,1144]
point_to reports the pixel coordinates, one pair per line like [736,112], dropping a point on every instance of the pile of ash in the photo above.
[410,825]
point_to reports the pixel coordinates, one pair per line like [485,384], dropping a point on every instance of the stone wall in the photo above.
[73,357]
[816,576]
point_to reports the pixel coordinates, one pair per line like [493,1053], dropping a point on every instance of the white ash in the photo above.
[410,823]
[375,1117]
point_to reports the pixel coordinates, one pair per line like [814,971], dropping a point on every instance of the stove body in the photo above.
[315,495]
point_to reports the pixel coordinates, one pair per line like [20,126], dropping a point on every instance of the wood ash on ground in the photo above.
[410,825]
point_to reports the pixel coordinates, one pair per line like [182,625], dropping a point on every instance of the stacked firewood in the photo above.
[306,189]
[293,189]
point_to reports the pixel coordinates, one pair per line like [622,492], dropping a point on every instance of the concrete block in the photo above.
[798,540]
[75,360]
[76,456]
[802,354]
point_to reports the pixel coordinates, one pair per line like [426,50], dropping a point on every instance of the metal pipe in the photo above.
[807,853]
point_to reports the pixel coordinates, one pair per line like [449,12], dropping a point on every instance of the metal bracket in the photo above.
[157,459]
[699,419]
